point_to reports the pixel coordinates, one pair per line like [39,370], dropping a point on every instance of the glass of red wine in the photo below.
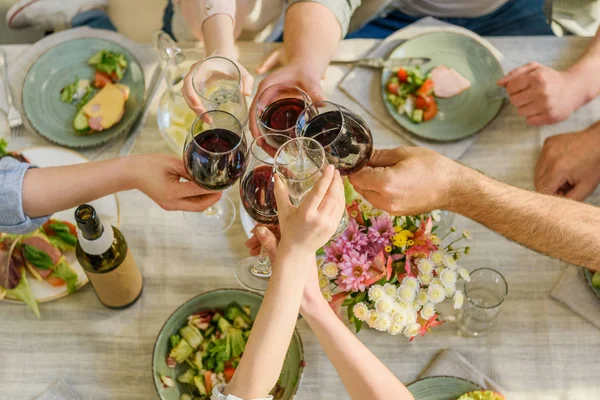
[300,163]
[344,135]
[218,81]
[258,198]
[214,156]
[278,109]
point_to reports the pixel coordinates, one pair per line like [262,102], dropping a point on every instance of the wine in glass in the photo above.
[218,82]
[345,136]
[214,156]
[258,197]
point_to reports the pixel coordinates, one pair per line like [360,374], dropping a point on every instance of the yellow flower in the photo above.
[399,240]
[397,229]
[388,249]
[364,207]
[411,242]
[406,233]
[354,214]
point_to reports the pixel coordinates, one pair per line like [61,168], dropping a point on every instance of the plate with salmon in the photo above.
[445,99]
[83,93]
[41,266]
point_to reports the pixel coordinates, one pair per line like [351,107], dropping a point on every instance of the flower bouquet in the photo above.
[392,272]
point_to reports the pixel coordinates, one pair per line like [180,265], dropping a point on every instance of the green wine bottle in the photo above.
[106,260]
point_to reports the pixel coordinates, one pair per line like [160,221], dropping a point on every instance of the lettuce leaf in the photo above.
[23,292]
[64,272]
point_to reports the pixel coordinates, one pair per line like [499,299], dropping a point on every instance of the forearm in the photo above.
[267,346]
[584,72]
[218,35]
[554,226]
[48,190]
[363,374]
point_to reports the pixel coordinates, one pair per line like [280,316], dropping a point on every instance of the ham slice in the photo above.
[95,123]
[41,244]
[447,82]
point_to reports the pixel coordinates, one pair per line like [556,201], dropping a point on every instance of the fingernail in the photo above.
[337,173]
[330,167]
[261,231]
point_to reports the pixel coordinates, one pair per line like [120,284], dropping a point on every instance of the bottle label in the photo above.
[119,287]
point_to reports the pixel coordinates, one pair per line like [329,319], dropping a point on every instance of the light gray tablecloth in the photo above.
[539,350]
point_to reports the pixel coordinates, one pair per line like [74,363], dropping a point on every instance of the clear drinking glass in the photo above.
[483,297]
[214,156]
[278,108]
[258,198]
[218,82]
[300,163]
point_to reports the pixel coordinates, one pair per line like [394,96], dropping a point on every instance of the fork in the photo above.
[15,122]
[495,94]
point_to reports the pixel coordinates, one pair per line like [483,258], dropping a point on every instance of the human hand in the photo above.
[408,180]
[570,164]
[192,98]
[543,95]
[158,177]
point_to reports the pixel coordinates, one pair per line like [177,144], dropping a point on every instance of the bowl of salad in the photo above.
[201,344]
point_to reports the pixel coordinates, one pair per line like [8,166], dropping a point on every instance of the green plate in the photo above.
[58,67]
[441,388]
[465,114]
[588,277]
[293,366]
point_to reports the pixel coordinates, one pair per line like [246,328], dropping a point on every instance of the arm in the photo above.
[410,181]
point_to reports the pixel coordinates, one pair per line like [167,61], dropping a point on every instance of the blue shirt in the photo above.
[12,218]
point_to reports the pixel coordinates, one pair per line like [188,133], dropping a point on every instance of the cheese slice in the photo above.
[107,106]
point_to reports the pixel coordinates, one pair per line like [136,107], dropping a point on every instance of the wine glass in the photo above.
[258,198]
[214,156]
[345,136]
[300,163]
[278,108]
[217,81]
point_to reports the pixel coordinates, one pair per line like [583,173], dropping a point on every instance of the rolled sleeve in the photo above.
[217,394]
[342,9]
[12,218]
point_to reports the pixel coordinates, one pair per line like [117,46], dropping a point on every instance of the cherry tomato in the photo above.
[393,88]
[423,102]
[228,372]
[430,112]
[402,75]
[101,80]
[426,88]
[55,281]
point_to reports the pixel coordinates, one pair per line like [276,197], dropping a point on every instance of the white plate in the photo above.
[247,222]
[107,207]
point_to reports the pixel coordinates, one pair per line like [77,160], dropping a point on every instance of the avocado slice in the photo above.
[596,280]
[80,122]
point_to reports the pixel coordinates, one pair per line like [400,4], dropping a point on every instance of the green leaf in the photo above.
[3,146]
[63,232]
[37,258]
[350,314]
[321,252]
[361,297]
[23,292]
[348,301]
[67,92]
[64,272]
[358,324]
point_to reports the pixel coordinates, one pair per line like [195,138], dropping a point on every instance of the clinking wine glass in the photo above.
[214,156]
[218,82]
[300,163]
[344,135]
[258,197]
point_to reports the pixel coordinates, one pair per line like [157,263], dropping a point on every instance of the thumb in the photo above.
[267,239]
[247,83]
[387,157]
[282,198]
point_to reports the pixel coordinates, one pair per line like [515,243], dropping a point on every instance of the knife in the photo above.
[390,63]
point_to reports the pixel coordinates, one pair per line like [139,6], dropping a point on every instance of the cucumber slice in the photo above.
[596,280]
[80,122]
[417,116]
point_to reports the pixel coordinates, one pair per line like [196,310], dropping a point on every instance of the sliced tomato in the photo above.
[430,112]
[114,76]
[101,79]
[228,374]
[55,281]
[393,87]
[208,381]
[426,87]
[402,75]
[423,102]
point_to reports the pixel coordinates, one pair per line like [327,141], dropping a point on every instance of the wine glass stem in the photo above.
[263,266]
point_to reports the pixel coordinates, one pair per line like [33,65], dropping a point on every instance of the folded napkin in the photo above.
[574,291]
[452,363]
[59,390]
[362,84]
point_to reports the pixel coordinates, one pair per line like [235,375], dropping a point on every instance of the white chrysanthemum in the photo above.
[425,279]
[373,315]
[428,311]
[384,305]
[323,282]
[376,292]
[383,322]
[364,207]
[390,290]
[467,234]
[327,294]
[436,281]
[320,261]
[450,290]
[411,282]
[435,240]
[436,215]
[436,293]
[406,294]
[402,306]
[463,273]
[448,277]
[361,312]
[401,221]
[377,212]
[422,297]
[400,318]
[426,266]
[330,270]
[395,329]
[416,307]
[459,299]
[412,330]
[449,261]
[437,257]
[411,317]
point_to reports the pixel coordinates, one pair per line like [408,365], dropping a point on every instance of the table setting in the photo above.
[451,307]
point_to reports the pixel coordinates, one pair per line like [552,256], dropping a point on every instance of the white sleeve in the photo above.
[217,394]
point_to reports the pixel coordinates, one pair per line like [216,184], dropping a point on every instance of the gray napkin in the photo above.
[452,363]
[59,390]
[362,85]
[573,291]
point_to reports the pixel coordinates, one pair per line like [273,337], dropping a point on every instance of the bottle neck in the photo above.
[99,245]
[92,236]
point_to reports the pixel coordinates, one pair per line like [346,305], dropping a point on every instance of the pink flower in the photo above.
[354,271]
[353,237]
[379,233]
[334,251]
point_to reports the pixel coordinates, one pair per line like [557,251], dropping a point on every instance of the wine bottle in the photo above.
[106,260]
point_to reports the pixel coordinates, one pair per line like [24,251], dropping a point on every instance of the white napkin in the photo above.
[59,390]
[573,291]
[452,363]
[362,84]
